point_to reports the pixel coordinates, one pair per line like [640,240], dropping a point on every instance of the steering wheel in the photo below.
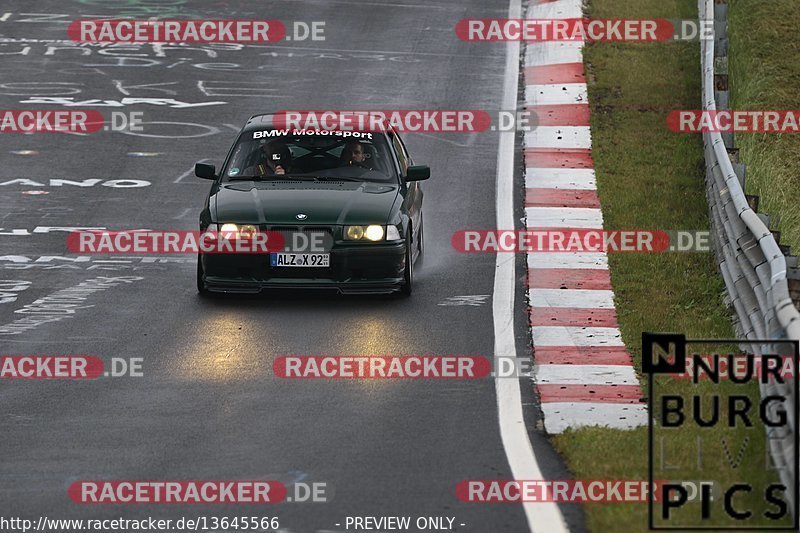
[303,160]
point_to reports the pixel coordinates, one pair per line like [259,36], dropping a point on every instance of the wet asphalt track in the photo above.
[208,406]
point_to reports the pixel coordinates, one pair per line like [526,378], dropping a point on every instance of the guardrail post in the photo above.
[739,168]
[720,28]
[721,92]
[793,278]
[752,201]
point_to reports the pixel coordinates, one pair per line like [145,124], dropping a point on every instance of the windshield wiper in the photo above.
[338,178]
[271,177]
[307,177]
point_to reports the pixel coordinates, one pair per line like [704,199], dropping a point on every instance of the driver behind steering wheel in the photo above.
[354,155]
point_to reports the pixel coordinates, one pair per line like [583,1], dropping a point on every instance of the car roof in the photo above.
[266,120]
[257,122]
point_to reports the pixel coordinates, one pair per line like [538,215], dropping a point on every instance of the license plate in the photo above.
[300,260]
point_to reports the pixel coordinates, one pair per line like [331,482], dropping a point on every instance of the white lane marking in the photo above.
[559,137]
[5,17]
[188,172]
[575,336]
[564,217]
[563,415]
[560,9]
[560,178]
[556,94]
[473,300]
[586,374]
[580,260]
[183,213]
[576,298]
[542,517]
[553,53]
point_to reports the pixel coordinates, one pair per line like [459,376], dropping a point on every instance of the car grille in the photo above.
[306,239]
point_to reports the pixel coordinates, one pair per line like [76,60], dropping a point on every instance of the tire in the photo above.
[408,273]
[420,242]
[201,285]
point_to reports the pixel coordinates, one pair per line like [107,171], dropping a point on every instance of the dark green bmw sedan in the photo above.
[347,204]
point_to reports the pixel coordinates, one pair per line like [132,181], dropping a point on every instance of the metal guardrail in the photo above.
[751,261]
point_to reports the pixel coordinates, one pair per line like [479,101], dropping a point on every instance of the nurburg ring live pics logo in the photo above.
[723,439]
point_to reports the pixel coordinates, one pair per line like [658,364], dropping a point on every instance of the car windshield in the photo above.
[273,154]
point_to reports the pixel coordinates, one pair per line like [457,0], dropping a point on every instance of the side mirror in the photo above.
[418,173]
[207,172]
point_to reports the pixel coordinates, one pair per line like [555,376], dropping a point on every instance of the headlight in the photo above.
[372,233]
[232,231]
[354,233]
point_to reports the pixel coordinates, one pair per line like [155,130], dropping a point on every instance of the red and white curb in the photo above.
[583,372]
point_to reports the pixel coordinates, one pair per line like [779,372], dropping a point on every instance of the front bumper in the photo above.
[355,269]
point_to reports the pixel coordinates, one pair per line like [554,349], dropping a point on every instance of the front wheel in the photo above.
[201,284]
[408,273]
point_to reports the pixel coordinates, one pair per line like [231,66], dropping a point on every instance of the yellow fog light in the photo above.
[247,231]
[233,231]
[374,233]
[354,233]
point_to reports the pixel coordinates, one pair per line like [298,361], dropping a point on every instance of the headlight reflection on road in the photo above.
[369,337]
[222,352]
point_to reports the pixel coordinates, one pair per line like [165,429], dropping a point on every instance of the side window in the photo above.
[405,151]
[400,150]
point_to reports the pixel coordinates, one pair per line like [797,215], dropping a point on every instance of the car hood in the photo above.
[325,203]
